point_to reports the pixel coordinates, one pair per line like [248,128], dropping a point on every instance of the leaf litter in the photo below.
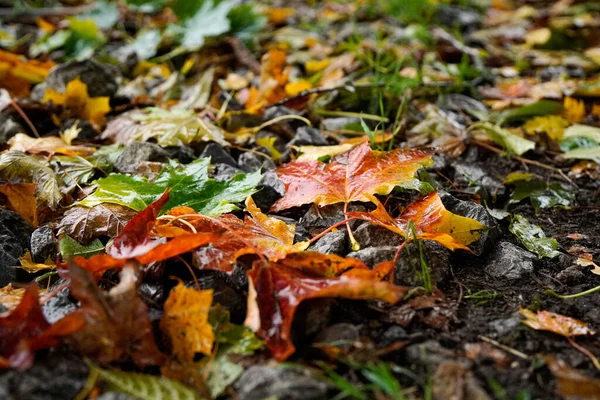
[193,192]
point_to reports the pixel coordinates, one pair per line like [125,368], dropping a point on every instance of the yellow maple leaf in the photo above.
[553,125]
[31,266]
[185,322]
[76,99]
[574,110]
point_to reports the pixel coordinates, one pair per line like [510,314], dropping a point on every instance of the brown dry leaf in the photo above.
[185,322]
[77,100]
[454,381]
[586,260]
[20,197]
[47,145]
[87,223]
[556,323]
[10,297]
[32,267]
[571,384]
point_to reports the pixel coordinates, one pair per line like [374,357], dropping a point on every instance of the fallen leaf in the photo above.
[533,237]
[26,330]
[76,99]
[509,141]
[572,384]
[574,110]
[20,197]
[46,145]
[552,125]
[31,266]
[556,323]
[277,288]
[352,176]
[87,223]
[17,73]
[431,220]
[117,326]
[185,322]
[10,297]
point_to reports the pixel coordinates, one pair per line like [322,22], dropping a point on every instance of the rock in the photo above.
[337,124]
[430,353]
[270,189]
[218,155]
[331,243]
[307,136]
[391,335]
[477,212]
[462,18]
[251,162]
[101,79]
[509,261]
[342,332]
[56,376]
[472,176]
[460,103]
[272,381]
[153,292]
[318,219]
[408,267]
[136,153]
[183,154]
[224,172]
[9,127]
[571,275]
[43,244]
[369,235]
[503,327]
[59,305]
[14,240]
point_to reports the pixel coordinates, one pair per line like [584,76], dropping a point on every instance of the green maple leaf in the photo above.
[188,185]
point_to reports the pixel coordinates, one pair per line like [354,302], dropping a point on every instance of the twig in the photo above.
[510,350]
[243,55]
[585,351]
[525,160]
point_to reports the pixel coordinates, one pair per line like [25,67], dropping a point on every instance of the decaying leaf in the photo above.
[117,326]
[556,323]
[47,145]
[352,176]
[185,322]
[533,237]
[87,223]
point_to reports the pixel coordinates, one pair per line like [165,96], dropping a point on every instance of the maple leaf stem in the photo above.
[353,241]
[585,351]
[332,227]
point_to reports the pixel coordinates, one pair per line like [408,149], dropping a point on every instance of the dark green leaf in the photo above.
[542,107]
[533,238]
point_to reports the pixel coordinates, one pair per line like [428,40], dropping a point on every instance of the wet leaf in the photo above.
[87,223]
[589,153]
[542,195]
[353,176]
[117,326]
[572,384]
[509,141]
[533,237]
[552,125]
[278,288]
[20,197]
[185,322]
[47,145]
[25,330]
[32,267]
[188,185]
[210,20]
[431,220]
[10,297]
[143,386]
[174,127]
[556,323]
[17,73]
[70,248]
[77,101]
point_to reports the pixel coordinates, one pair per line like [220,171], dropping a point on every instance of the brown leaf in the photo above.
[572,384]
[117,326]
[85,224]
[20,197]
[556,323]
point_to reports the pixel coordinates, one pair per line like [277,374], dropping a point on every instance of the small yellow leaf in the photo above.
[185,322]
[314,66]
[553,125]
[77,100]
[574,110]
[31,266]
[269,143]
[295,88]
[316,152]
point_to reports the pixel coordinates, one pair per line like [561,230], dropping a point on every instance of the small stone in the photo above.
[571,275]
[391,335]
[509,261]
[471,175]
[43,244]
[218,155]
[318,219]
[251,162]
[14,240]
[460,103]
[369,235]
[374,255]
[339,335]
[331,243]
[272,381]
[183,154]
[502,327]
[270,189]
[463,18]
[136,153]
[225,172]
[430,353]
[59,305]
[101,79]
[307,136]
[9,127]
